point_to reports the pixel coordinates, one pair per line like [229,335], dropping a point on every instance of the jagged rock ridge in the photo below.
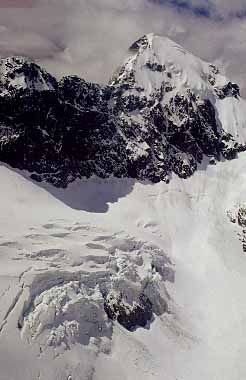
[161,113]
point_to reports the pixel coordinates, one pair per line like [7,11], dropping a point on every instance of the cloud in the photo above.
[16,3]
[91,38]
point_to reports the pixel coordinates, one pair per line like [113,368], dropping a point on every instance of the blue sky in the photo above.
[214,9]
[183,5]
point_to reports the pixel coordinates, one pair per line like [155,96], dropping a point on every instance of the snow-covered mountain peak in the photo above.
[163,72]
[157,62]
[21,73]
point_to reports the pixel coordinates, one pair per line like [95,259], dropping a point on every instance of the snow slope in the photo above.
[56,258]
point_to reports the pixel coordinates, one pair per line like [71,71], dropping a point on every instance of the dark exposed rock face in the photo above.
[59,136]
[238,216]
[156,67]
[129,316]
[230,89]
[60,131]
[242,216]
[143,41]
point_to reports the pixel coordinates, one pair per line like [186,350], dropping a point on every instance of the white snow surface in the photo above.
[185,72]
[58,248]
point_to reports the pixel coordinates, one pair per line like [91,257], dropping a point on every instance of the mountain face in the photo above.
[163,112]
[117,278]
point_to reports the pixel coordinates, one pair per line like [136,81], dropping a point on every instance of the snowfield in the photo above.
[63,251]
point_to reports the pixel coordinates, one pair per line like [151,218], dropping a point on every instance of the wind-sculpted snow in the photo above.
[90,287]
[162,113]
[65,314]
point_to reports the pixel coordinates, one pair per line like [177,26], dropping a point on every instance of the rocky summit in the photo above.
[164,111]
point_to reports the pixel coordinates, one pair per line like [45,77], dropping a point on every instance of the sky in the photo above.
[90,38]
